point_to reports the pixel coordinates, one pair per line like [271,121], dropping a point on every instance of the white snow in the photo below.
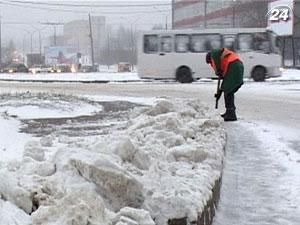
[163,165]
[109,76]
[99,76]
[288,74]
[261,182]
[282,142]
[11,214]
[11,141]
[38,106]
[111,98]
[34,112]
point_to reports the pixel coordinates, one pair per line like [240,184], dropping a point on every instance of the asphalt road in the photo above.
[257,188]
[270,102]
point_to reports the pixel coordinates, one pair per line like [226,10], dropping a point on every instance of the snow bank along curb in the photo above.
[163,167]
[206,216]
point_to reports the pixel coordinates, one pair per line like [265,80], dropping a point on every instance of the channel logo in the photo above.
[280,13]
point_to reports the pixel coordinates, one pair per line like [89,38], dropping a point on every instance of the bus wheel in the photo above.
[184,75]
[259,73]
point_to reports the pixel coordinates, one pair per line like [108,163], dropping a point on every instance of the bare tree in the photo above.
[9,52]
[120,47]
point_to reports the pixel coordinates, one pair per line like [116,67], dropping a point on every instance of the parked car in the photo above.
[124,67]
[41,69]
[86,69]
[15,68]
[62,68]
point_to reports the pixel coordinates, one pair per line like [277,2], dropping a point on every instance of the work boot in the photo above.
[230,115]
[224,114]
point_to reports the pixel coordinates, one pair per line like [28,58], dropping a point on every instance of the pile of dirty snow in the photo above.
[162,166]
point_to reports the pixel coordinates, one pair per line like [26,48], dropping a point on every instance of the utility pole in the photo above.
[23,50]
[40,42]
[205,14]
[54,24]
[54,36]
[0,43]
[233,16]
[108,49]
[92,43]
[31,42]
[166,22]
[132,57]
[173,12]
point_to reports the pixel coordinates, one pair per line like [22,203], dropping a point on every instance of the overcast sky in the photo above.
[21,18]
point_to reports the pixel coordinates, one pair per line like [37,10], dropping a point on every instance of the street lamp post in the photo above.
[0,43]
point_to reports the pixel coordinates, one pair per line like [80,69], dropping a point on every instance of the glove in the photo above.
[218,94]
[219,73]
[208,58]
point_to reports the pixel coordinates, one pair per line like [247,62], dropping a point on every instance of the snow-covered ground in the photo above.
[132,163]
[109,76]
[288,74]
[72,77]
[261,182]
[27,106]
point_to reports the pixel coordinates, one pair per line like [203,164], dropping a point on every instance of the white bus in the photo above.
[180,54]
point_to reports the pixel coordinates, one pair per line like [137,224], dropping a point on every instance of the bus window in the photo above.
[229,41]
[245,42]
[150,44]
[166,44]
[215,41]
[204,43]
[197,43]
[261,42]
[182,43]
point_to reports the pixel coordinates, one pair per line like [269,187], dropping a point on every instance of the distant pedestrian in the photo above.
[228,67]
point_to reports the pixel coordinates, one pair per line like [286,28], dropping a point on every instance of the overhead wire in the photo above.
[110,9]
[82,11]
[112,4]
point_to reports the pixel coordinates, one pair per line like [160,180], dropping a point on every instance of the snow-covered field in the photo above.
[77,160]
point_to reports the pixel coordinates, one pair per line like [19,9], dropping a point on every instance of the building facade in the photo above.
[201,14]
[77,34]
[219,14]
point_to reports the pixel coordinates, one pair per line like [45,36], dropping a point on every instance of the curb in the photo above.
[207,215]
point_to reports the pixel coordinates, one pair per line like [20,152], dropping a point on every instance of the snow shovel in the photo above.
[218,94]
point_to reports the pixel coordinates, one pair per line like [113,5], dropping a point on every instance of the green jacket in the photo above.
[233,79]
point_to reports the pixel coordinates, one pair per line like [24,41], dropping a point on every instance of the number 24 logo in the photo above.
[278,14]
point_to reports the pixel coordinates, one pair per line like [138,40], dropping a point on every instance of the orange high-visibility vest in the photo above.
[227,57]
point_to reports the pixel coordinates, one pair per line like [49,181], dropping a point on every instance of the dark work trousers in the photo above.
[229,101]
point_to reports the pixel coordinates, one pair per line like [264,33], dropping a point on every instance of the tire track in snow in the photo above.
[257,188]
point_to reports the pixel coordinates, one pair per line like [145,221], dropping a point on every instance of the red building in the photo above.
[201,14]
[219,14]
